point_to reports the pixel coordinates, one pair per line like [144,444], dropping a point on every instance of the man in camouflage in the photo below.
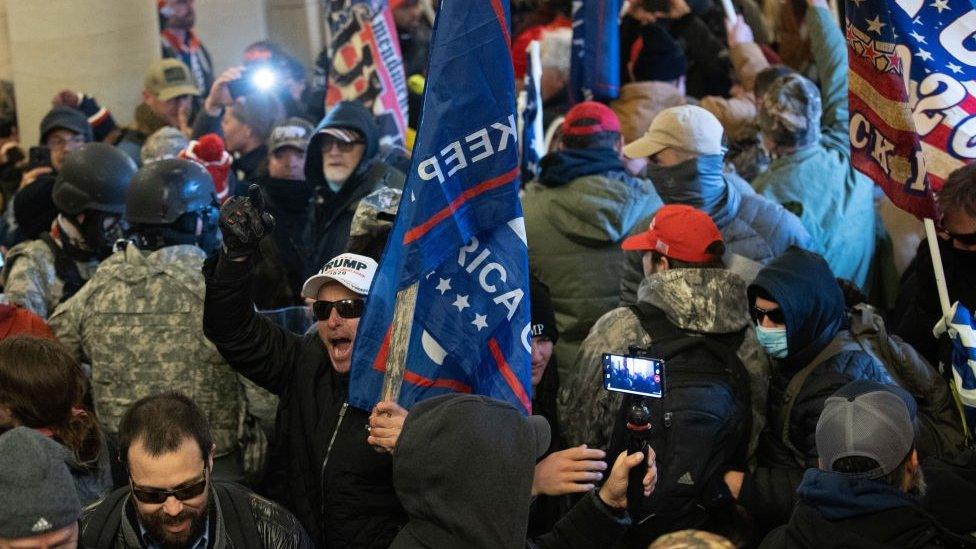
[138,321]
[697,295]
[89,194]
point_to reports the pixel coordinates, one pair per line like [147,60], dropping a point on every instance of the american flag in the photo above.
[912,94]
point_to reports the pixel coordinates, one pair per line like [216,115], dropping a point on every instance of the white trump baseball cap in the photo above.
[353,271]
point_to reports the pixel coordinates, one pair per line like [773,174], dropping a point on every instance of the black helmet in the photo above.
[94,177]
[163,191]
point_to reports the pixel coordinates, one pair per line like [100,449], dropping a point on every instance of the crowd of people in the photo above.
[720,353]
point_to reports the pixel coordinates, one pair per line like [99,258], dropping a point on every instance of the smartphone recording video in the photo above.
[634,375]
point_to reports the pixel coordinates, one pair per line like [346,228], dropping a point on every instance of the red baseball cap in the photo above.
[590,117]
[680,232]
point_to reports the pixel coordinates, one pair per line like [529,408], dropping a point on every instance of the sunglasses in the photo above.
[160,496]
[347,308]
[344,146]
[774,315]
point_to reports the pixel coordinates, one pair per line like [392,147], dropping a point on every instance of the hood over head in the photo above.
[711,301]
[463,471]
[812,302]
[347,115]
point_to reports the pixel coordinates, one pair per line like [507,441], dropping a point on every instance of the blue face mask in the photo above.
[773,340]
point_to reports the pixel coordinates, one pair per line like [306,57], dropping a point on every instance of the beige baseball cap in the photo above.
[687,127]
[169,78]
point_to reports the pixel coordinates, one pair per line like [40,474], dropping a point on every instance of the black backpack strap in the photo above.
[102,527]
[65,268]
[655,322]
[239,523]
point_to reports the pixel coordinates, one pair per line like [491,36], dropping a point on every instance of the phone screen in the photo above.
[628,374]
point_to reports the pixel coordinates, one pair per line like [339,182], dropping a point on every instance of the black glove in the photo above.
[244,223]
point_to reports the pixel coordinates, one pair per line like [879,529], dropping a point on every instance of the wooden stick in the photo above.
[729,11]
[396,360]
[940,281]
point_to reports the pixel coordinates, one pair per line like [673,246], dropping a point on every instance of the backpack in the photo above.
[699,428]
[100,528]
[940,427]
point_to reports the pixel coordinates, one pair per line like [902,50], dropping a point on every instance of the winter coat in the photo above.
[818,182]
[813,306]
[710,301]
[438,493]
[276,527]
[332,212]
[751,226]
[836,511]
[640,102]
[576,215]
[951,484]
[339,488]
[34,208]
[918,310]
[708,70]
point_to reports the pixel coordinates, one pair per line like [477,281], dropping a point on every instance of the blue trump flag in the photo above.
[533,137]
[594,70]
[459,233]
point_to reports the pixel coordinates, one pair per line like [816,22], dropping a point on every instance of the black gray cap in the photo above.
[37,492]
[290,132]
[789,112]
[867,419]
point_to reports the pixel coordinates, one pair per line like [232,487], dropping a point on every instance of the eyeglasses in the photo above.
[59,143]
[774,315]
[344,146]
[347,308]
[160,496]
[967,239]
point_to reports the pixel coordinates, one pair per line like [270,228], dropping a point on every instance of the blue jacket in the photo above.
[818,182]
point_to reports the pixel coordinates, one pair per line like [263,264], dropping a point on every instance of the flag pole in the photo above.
[940,281]
[396,360]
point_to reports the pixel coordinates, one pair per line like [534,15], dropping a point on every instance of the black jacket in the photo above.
[339,488]
[918,310]
[111,522]
[813,305]
[332,212]
[279,277]
[838,512]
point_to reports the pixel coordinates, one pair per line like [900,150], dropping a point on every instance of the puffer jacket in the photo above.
[695,300]
[813,306]
[751,226]
[834,201]
[108,524]
[576,215]
[339,488]
[640,102]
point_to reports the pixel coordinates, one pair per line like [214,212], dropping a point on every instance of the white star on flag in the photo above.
[918,37]
[917,21]
[924,55]
[461,302]
[874,25]
[480,321]
[444,285]
[956,69]
[941,5]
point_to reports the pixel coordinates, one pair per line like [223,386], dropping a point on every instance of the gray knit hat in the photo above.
[37,492]
[790,110]
[166,142]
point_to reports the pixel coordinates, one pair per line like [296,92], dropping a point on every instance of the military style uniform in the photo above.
[138,322]
[30,278]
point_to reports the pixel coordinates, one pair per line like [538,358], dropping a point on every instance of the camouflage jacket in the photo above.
[699,300]
[138,322]
[29,278]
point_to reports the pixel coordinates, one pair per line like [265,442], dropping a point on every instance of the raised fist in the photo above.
[244,223]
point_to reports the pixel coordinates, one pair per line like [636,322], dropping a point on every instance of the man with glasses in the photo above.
[918,307]
[342,165]
[797,309]
[172,500]
[338,487]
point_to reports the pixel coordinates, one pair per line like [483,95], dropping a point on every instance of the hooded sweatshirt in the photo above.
[463,471]
[710,301]
[813,306]
[836,511]
[576,215]
[751,226]
[332,212]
